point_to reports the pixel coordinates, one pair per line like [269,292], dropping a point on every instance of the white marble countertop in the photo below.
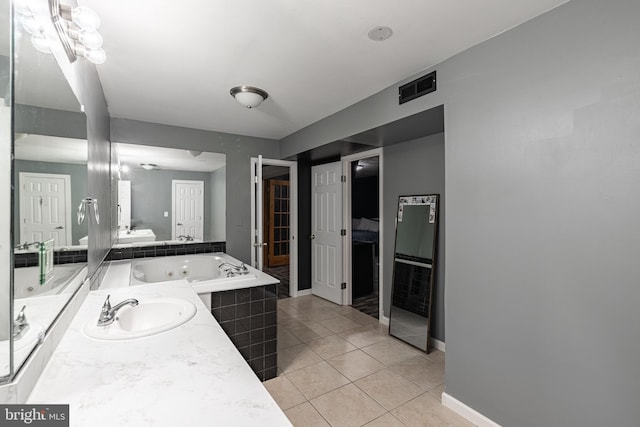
[189,376]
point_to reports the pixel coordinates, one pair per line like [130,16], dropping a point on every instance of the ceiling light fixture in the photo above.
[194,153]
[148,166]
[249,96]
[380,33]
[77,30]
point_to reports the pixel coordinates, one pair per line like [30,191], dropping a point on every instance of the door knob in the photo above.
[259,245]
[180,224]
[59,227]
[313,236]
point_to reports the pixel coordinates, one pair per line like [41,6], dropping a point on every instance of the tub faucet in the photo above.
[20,325]
[108,314]
[233,269]
[188,238]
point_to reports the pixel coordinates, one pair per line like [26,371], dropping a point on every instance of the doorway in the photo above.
[363,244]
[274,221]
[277,225]
[187,209]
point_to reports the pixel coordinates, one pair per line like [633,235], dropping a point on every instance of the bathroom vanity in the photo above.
[190,375]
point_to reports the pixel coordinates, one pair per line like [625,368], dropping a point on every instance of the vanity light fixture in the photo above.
[77,30]
[249,96]
[148,166]
[31,25]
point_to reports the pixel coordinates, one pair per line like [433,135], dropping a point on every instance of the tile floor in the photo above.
[339,367]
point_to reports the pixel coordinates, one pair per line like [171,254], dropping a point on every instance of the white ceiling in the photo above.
[168,158]
[45,148]
[174,62]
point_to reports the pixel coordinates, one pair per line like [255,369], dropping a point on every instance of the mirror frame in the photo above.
[432,275]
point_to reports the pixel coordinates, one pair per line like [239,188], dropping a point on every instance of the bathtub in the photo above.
[26,280]
[201,270]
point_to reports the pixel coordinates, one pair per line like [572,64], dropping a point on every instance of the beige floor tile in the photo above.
[421,371]
[318,314]
[426,411]
[389,388]
[390,351]
[310,331]
[284,392]
[345,310]
[362,318]
[287,339]
[436,356]
[437,392]
[318,379]
[305,415]
[365,336]
[331,346]
[356,364]
[339,324]
[387,420]
[296,357]
[347,406]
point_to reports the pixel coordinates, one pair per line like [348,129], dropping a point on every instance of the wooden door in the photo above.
[277,222]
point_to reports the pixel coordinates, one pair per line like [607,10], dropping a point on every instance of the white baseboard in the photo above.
[437,344]
[467,412]
[384,320]
[304,292]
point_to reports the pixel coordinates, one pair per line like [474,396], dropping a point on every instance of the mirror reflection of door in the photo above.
[414,269]
[188,209]
[45,206]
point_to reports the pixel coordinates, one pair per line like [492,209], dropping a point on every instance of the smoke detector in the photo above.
[380,33]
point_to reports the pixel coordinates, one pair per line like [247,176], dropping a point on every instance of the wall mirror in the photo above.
[414,269]
[169,195]
[49,178]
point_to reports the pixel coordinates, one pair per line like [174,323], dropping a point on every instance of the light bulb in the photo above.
[97,56]
[85,18]
[22,7]
[30,24]
[41,43]
[90,39]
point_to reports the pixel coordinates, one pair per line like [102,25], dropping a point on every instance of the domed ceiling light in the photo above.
[249,96]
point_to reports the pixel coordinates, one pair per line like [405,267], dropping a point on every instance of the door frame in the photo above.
[293,212]
[173,203]
[67,188]
[347,211]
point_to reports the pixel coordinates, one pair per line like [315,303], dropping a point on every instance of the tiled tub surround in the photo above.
[63,256]
[155,249]
[249,318]
[192,375]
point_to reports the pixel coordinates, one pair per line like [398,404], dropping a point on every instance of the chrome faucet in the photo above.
[108,314]
[188,238]
[25,246]
[233,269]
[20,325]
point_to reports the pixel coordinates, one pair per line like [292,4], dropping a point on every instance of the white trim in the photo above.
[467,412]
[304,292]
[67,189]
[293,212]
[384,320]
[346,160]
[437,344]
[173,204]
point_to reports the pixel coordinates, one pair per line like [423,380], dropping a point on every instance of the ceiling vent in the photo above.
[417,88]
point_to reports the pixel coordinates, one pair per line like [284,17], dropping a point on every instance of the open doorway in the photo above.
[277,225]
[364,199]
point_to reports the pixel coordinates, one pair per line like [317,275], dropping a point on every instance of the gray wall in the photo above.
[238,149]
[151,197]
[78,177]
[216,231]
[541,159]
[422,164]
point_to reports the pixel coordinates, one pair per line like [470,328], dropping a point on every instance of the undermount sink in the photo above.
[149,317]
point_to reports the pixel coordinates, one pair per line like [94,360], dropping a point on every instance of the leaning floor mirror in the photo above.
[414,264]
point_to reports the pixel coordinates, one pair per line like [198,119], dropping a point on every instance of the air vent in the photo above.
[417,88]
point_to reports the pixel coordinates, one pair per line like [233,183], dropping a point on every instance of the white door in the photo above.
[257,241]
[326,224]
[188,209]
[124,205]
[45,208]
